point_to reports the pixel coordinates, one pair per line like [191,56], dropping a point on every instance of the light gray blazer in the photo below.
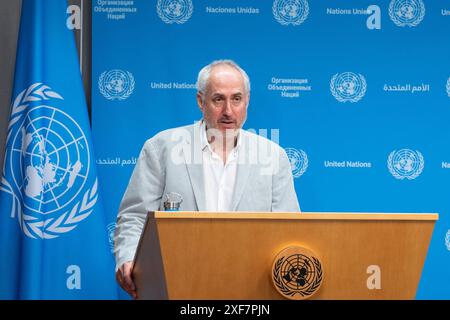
[171,161]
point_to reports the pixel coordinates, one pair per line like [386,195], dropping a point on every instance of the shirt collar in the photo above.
[204,138]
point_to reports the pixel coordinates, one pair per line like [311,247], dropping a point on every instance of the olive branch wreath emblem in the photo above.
[448,87]
[447,240]
[399,23]
[356,98]
[297,22]
[124,95]
[304,157]
[401,177]
[303,292]
[30,225]
[160,6]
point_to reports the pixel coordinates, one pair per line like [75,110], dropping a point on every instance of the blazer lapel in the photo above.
[243,172]
[194,165]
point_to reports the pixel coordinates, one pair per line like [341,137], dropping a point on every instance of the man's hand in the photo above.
[123,276]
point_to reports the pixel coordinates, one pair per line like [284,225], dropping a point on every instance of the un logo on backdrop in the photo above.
[348,86]
[405,163]
[448,87]
[298,160]
[406,12]
[288,12]
[447,240]
[111,227]
[47,166]
[174,11]
[116,84]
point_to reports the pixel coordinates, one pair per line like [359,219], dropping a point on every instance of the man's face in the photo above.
[224,104]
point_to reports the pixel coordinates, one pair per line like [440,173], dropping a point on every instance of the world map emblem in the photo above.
[348,86]
[174,11]
[290,12]
[111,227]
[298,160]
[405,164]
[448,87]
[47,166]
[116,84]
[297,273]
[447,240]
[406,12]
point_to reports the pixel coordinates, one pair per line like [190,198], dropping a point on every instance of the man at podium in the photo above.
[213,165]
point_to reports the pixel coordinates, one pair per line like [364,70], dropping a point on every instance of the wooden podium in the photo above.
[193,255]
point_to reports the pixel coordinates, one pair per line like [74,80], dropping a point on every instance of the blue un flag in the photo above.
[53,234]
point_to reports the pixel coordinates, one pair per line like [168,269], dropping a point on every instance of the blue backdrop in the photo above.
[358,90]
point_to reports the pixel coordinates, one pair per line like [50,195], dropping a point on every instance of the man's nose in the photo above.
[228,108]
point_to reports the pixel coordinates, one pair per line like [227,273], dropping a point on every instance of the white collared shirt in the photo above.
[219,178]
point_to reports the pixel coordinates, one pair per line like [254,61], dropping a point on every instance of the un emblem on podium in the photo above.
[297,273]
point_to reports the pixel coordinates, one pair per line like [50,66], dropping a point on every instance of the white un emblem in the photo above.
[174,11]
[448,87]
[46,166]
[116,84]
[298,160]
[447,240]
[405,163]
[406,12]
[111,229]
[288,12]
[348,86]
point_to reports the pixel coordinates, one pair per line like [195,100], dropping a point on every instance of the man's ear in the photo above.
[248,99]
[200,101]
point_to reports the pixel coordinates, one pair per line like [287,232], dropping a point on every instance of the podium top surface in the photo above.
[296,215]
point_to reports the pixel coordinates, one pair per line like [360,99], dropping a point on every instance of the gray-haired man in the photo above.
[214,164]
